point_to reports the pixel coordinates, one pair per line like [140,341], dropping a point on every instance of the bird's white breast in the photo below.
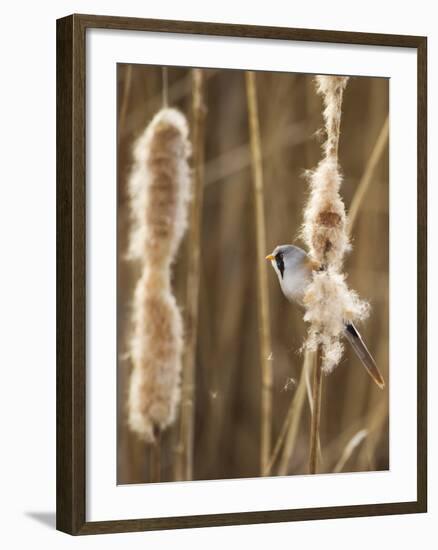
[294,283]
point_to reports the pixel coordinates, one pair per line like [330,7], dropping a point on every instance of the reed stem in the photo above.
[316,413]
[165,87]
[184,458]
[365,180]
[155,458]
[125,101]
[294,416]
[262,287]
[354,442]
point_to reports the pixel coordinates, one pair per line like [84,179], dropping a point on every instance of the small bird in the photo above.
[294,270]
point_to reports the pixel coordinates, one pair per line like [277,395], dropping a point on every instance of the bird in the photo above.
[294,268]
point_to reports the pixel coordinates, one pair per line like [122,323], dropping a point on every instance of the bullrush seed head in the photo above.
[159,194]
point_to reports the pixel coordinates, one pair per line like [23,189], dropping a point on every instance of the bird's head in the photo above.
[293,268]
[287,258]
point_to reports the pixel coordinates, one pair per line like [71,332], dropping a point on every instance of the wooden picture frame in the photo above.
[71,274]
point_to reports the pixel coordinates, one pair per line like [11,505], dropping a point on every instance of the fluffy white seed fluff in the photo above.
[324,228]
[159,195]
[329,303]
[159,187]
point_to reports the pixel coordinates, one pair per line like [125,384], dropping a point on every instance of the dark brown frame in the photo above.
[71,266]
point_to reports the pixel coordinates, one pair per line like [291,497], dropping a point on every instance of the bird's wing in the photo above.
[355,339]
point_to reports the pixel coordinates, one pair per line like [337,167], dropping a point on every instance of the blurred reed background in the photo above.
[354,413]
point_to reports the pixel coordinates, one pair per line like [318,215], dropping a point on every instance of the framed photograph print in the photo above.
[241,274]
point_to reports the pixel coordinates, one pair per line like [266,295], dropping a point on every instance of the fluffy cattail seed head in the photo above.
[159,188]
[328,301]
[324,228]
[156,347]
[159,193]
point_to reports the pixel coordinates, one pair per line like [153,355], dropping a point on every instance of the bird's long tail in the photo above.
[355,339]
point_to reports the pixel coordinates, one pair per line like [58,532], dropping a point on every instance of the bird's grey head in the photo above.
[292,266]
[286,257]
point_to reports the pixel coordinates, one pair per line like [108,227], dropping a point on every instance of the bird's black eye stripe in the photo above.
[280,263]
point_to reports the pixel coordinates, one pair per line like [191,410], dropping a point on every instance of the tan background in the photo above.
[227,368]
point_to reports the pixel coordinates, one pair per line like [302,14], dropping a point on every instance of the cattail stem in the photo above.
[296,408]
[281,438]
[365,180]
[262,294]
[316,412]
[354,442]
[184,459]
[165,86]
[125,101]
[155,459]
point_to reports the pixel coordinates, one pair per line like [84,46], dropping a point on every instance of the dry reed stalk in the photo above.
[354,442]
[309,392]
[125,101]
[281,437]
[365,180]
[290,428]
[165,86]
[184,456]
[316,412]
[155,459]
[159,194]
[262,287]
[370,424]
[376,419]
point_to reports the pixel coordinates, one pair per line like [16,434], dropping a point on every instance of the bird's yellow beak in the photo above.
[270,257]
